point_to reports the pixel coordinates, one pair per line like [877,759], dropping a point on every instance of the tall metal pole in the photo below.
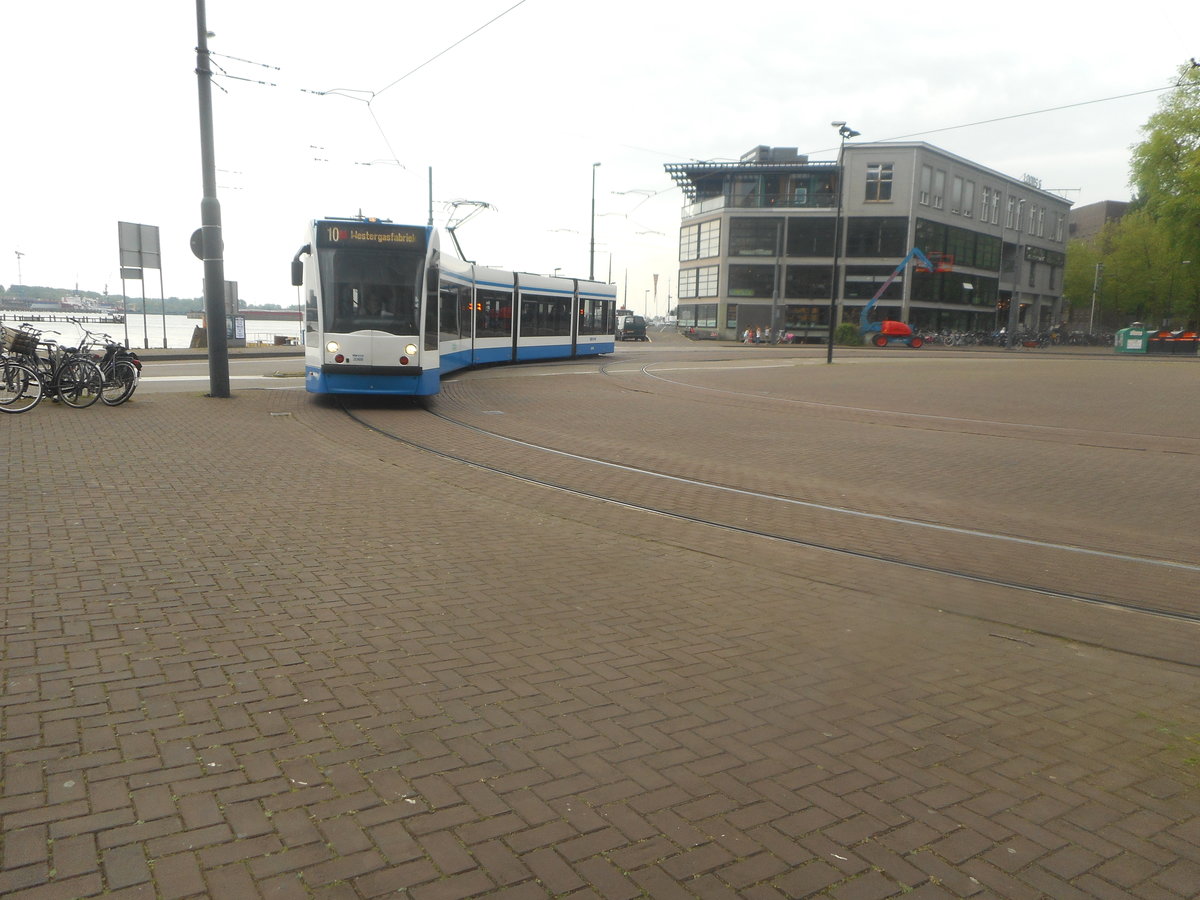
[163,298]
[145,327]
[125,309]
[592,250]
[844,131]
[776,289]
[212,249]
[1095,288]
[1014,305]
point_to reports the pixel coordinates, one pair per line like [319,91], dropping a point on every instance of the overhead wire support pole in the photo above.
[844,131]
[212,248]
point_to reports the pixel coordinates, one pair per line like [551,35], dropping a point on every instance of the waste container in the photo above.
[1159,341]
[1186,342]
[1133,339]
[1178,342]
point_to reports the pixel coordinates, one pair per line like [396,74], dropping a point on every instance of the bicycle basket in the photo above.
[19,342]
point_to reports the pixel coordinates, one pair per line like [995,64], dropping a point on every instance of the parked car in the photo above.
[631,328]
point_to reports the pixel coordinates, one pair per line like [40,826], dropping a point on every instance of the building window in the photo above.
[956,192]
[987,252]
[701,241]
[689,242]
[1011,218]
[807,282]
[968,207]
[995,206]
[876,236]
[687,283]
[755,237]
[700,282]
[805,317]
[863,282]
[926,185]
[731,315]
[697,315]
[1059,224]
[809,236]
[751,281]
[879,182]
[939,189]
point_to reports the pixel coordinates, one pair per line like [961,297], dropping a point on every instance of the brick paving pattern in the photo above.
[254,649]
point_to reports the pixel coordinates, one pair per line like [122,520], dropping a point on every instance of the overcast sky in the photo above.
[510,103]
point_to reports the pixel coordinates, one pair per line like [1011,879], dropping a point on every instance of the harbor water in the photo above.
[153,331]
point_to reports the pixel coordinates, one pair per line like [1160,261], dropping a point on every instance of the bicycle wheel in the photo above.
[119,383]
[20,388]
[80,383]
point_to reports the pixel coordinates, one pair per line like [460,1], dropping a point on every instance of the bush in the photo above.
[847,335]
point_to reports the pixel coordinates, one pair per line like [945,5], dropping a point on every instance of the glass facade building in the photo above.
[756,242]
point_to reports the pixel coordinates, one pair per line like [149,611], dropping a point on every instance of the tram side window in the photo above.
[311,305]
[543,316]
[595,317]
[448,300]
[310,311]
[493,313]
[432,279]
[465,308]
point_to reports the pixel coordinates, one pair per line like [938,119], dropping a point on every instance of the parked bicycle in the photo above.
[20,385]
[120,366]
[64,374]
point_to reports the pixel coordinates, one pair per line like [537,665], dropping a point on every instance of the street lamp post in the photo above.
[844,131]
[1095,289]
[212,246]
[1014,304]
[592,249]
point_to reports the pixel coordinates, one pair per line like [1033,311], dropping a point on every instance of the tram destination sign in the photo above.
[370,234]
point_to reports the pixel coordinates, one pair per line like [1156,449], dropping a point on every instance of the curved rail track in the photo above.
[961,539]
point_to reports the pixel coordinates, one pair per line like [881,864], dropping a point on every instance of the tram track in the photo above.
[1085,437]
[862,541]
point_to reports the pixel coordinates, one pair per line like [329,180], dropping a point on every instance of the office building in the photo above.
[757,242]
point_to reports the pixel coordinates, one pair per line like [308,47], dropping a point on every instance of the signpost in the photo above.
[139,250]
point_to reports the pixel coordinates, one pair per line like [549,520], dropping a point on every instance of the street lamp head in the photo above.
[837,124]
[847,132]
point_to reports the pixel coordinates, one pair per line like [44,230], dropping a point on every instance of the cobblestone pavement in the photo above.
[256,648]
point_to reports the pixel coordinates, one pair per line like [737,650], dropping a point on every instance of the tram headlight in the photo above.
[411,349]
[332,346]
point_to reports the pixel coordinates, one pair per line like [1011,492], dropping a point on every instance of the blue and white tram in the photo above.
[386,313]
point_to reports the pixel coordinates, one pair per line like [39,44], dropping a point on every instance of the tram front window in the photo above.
[369,293]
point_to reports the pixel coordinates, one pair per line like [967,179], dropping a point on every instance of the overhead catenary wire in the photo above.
[442,53]
[371,96]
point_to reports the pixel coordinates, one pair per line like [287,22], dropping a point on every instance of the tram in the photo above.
[385,312]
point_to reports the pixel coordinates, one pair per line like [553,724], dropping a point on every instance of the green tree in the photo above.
[1134,267]
[1079,279]
[1165,167]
